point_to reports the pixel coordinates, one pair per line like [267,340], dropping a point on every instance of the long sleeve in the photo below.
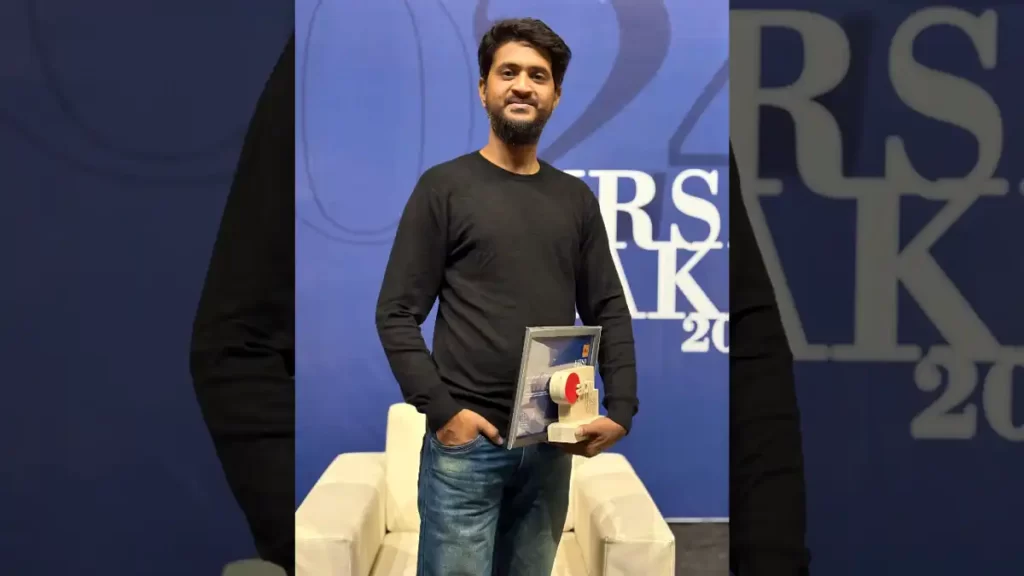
[411,284]
[243,340]
[601,302]
[767,493]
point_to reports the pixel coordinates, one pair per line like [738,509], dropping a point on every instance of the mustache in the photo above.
[515,100]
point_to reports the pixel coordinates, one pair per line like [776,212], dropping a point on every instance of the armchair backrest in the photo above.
[405,432]
[404,440]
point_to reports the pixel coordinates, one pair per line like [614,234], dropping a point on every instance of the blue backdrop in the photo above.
[643,119]
[912,429]
[120,126]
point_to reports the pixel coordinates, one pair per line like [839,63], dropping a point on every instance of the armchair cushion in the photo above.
[619,528]
[397,556]
[341,521]
[406,428]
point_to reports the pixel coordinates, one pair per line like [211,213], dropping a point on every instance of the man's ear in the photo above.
[558,98]
[482,88]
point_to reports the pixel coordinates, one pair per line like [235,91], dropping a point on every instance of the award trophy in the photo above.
[555,393]
[574,391]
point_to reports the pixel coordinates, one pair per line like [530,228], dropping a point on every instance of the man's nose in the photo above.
[522,86]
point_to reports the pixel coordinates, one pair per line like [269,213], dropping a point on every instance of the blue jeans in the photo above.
[489,511]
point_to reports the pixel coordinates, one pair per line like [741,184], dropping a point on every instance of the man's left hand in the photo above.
[595,437]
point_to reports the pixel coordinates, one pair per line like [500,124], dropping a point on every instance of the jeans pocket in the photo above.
[457,449]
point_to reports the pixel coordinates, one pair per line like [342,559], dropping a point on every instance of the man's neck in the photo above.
[515,159]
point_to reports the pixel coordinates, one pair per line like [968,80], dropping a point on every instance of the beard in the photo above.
[515,132]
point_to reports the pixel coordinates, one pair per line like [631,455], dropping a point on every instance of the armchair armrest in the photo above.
[340,524]
[619,528]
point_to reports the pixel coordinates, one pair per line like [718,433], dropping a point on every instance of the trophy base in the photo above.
[565,432]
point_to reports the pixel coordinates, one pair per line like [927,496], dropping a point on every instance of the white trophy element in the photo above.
[574,391]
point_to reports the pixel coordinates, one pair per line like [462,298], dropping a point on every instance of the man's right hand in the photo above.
[464,427]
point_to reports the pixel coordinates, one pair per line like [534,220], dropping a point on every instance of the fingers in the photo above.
[586,448]
[594,447]
[489,430]
[578,449]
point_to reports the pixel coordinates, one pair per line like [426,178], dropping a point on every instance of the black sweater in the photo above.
[766,476]
[499,252]
[243,340]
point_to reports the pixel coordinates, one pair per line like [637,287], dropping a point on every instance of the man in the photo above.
[243,339]
[503,241]
[766,475]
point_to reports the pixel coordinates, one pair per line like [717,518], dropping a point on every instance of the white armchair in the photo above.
[361,519]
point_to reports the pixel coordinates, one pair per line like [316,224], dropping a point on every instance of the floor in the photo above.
[701,549]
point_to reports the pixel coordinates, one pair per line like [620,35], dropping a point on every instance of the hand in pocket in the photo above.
[464,427]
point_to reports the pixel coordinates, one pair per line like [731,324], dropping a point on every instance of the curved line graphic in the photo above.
[712,89]
[644,36]
[350,241]
[367,236]
[65,105]
[310,178]
[212,178]
[469,71]
[481,22]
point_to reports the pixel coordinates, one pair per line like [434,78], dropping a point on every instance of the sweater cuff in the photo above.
[440,409]
[621,412]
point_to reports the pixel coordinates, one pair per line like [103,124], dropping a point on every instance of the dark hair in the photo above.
[530,31]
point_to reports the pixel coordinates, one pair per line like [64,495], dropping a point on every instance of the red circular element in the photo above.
[571,382]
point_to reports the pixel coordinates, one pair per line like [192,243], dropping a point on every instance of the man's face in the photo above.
[519,94]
